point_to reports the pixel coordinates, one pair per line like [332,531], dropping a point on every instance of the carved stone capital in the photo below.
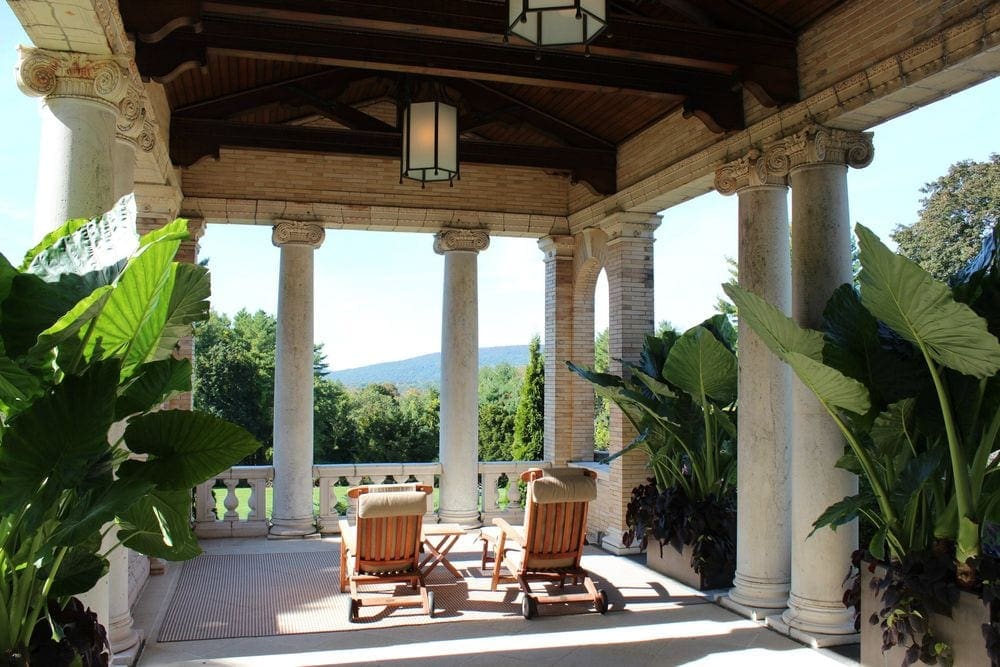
[823,145]
[630,225]
[293,232]
[131,115]
[557,247]
[758,167]
[55,74]
[464,240]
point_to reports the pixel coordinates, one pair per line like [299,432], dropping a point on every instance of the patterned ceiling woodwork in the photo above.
[272,65]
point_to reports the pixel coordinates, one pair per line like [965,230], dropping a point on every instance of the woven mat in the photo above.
[260,595]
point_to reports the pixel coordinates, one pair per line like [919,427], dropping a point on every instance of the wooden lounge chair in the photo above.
[384,546]
[550,544]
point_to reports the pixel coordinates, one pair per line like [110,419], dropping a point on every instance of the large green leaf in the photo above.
[703,367]
[59,438]
[16,386]
[65,332]
[153,383]
[81,568]
[778,332]
[188,304]
[160,525]
[185,447]
[95,507]
[830,385]
[31,307]
[844,511]
[133,318]
[922,310]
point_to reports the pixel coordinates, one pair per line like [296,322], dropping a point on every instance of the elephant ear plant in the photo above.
[681,399]
[907,369]
[88,326]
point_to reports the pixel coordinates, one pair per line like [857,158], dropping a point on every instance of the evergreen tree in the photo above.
[529,421]
[602,408]
[499,391]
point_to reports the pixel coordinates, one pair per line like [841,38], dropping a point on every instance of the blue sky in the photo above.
[378,294]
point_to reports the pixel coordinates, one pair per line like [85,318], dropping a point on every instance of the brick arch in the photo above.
[588,269]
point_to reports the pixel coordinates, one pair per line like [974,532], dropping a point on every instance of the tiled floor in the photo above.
[691,634]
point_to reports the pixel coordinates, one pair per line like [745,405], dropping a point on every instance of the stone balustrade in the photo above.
[244,515]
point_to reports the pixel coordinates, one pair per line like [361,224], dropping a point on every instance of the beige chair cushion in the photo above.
[564,487]
[400,503]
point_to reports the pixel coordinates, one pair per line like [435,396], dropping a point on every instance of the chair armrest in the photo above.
[346,535]
[509,530]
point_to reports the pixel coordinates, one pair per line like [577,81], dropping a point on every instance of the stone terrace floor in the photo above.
[694,634]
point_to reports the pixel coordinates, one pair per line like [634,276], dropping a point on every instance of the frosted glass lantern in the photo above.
[556,22]
[430,142]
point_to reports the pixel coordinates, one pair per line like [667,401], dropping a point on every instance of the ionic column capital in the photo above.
[293,232]
[133,124]
[767,167]
[630,225]
[823,145]
[557,247]
[66,74]
[463,240]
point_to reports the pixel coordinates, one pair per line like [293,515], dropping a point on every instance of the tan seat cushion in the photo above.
[400,503]
[564,487]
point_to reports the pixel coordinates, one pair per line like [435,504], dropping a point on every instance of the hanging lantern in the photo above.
[430,142]
[556,22]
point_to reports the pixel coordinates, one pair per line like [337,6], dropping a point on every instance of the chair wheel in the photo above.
[602,602]
[529,608]
[430,604]
[352,611]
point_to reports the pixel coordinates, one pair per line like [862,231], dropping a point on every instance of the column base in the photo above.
[754,613]
[811,639]
[615,546]
[128,656]
[467,520]
[818,617]
[759,595]
[291,529]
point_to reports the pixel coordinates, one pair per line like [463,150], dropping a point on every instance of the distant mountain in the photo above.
[425,369]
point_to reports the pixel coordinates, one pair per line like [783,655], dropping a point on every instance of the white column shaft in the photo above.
[293,395]
[75,163]
[763,558]
[459,444]
[124,162]
[821,262]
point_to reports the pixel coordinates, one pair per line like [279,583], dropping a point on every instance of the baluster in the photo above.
[513,492]
[491,498]
[204,504]
[352,505]
[231,502]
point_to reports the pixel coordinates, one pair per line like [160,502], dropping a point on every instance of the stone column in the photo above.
[459,444]
[75,166]
[629,267]
[558,441]
[763,550]
[821,262]
[292,514]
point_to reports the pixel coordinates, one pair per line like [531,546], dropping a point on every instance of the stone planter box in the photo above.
[677,565]
[962,630]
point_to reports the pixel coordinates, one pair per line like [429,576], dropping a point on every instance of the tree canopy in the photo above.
[529,421]
[959,209]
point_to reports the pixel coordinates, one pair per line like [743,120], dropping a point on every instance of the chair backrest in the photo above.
[389,528]
[555,519]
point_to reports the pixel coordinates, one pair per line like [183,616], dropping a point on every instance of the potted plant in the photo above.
[907,368]
[88,325]
[681,399]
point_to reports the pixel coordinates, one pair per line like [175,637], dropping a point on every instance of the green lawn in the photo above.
[243,494]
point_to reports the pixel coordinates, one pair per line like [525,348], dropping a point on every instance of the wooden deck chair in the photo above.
[550,544]
[384,546]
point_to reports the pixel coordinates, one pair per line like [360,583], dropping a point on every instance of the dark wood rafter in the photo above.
[344,114]
[192,139]
[637,38]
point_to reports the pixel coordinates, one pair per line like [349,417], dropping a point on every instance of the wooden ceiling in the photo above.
[251,73]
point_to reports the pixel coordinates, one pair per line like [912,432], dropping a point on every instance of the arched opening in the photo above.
[602,408]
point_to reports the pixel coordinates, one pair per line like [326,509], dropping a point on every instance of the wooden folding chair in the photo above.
[550,544]
[384,547]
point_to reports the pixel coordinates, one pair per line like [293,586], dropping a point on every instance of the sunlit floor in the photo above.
[697,632]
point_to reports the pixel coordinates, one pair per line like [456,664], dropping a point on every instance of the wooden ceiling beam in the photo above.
[192,139]
[345,114]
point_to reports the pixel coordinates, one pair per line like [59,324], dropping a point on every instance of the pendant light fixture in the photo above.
[430,138]
[556,22]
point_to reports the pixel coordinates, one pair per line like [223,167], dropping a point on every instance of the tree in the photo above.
[602,409]
[529,421]
[499,390]
[722,304]
[960,208]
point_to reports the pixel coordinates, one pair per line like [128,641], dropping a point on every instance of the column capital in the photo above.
[86,76]
[557,247]
[630,224]
[757,168]
[294,232]
[817,144]
[133,124]
[465,240]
